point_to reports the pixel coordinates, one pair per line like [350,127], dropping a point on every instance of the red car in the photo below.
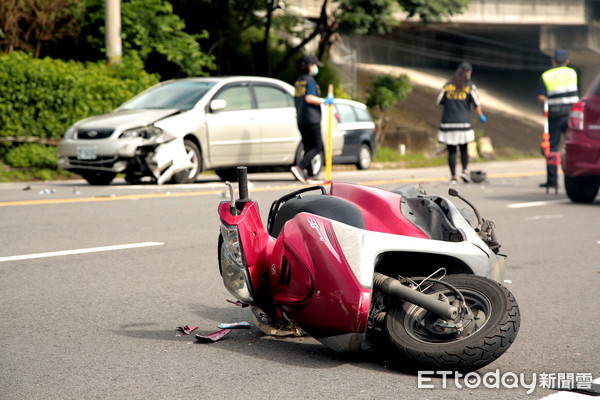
[581,157]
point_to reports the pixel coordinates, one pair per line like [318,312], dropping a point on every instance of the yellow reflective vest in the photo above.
[561,86]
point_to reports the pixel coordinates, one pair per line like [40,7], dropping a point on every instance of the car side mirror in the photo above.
[218,105]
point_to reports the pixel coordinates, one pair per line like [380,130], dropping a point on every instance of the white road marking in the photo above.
[80,251]
[536,203]
[536,217]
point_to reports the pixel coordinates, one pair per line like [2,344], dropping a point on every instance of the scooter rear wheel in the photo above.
[425,341]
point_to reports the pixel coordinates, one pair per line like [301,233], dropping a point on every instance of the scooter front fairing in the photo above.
[312,280]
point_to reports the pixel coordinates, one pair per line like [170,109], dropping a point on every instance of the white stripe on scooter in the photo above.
[80,251]
[535,203]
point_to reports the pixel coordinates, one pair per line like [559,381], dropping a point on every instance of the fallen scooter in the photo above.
[360,268]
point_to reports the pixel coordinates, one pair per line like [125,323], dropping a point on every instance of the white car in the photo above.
[178,128]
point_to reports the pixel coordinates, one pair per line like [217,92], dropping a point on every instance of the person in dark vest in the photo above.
[458,96]
[308,102]
[557,86]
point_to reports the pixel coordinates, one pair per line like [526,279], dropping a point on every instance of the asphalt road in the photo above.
[82,319]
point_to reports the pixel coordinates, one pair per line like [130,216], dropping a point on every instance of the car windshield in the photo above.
[181,95]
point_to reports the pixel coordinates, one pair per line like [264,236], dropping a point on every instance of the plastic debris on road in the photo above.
[187,329]
[238,303]
[213,337]
[235,325]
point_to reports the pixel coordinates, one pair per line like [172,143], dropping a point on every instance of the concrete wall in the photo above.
[494,35]
[305,8]
[560,12]
[556,12]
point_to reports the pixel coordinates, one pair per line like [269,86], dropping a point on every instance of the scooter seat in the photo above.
[330,207]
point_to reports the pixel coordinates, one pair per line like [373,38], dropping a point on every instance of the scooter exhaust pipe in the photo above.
[393,287]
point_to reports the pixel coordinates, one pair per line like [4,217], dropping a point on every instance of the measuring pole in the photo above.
[328,150]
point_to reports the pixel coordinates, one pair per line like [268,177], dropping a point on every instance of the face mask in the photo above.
[315,71]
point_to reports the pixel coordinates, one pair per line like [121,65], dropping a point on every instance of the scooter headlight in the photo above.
[233,265]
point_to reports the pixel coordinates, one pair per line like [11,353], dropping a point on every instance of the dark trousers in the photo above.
[464,157]
[557,126]
[313,145]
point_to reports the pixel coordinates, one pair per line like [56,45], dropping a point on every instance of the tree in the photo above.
[75,29]
[264,37]
[27,24]
[365,17]
[385,91]
[238,32]
[154,32]
[432,10]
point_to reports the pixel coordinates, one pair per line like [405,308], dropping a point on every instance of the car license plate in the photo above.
[86,152]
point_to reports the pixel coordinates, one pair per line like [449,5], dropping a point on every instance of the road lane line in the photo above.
[536,203]
[106,198]
[80,251]
[291,186]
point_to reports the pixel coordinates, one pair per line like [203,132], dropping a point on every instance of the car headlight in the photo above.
[145,132]
[233,265]
[70,133]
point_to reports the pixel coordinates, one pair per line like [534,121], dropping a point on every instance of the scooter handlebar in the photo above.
[242,176]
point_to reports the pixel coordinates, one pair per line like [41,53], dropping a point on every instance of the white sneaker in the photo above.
[465,177]
[298,173]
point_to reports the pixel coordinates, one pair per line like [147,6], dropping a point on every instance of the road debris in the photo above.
[238,303]
[187,329]
[213,337]
[235,325]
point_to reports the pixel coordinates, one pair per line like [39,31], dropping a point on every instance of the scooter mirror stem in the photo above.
[232,208]
[454,192]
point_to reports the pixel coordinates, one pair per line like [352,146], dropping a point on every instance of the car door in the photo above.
[347,121]
[276,117]
[233,130]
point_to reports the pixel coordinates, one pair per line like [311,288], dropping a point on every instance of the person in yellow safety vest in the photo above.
[558,86]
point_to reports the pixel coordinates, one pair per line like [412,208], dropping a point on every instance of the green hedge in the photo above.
[42,97]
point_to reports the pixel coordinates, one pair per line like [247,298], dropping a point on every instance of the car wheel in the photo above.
[364,157]
[582,189]
[189,175]
[97,178]
[316,162]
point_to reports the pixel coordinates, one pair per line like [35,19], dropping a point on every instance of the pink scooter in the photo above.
[361,268]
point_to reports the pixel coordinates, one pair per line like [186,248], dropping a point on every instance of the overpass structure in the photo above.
[512,37]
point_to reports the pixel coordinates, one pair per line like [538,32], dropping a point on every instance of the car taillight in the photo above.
[576,116]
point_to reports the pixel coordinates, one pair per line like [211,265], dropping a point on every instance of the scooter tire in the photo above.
[417,347]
